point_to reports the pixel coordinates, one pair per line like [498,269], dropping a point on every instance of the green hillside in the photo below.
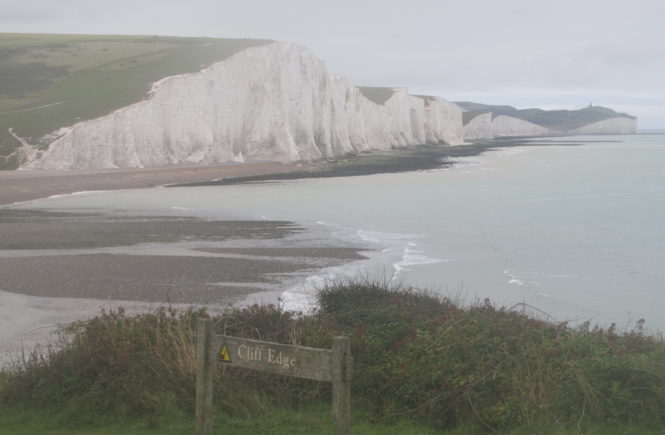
[470,114]
[377,95]
[561,120]
[52,81]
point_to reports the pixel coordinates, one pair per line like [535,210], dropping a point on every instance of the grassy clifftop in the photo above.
[376,95]
[52,81]
[560,120]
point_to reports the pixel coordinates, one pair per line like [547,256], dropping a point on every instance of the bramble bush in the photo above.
[417,356]
[425,357]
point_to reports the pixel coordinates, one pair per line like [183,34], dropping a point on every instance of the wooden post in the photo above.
[326,365]
[204,377]
[341,385]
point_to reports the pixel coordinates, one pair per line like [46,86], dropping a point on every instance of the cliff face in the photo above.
[480,127]
[618,125]
[273,102]
[443,122]
[509,126]
[279,102]
[484,127]
[490,121]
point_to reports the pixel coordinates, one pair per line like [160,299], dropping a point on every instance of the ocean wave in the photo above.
[514,279]
[511,151]
[413,257]
[83,192]
[461,163]
[302,297]
[395,243]
[395,249]
[396,253]
[381,237]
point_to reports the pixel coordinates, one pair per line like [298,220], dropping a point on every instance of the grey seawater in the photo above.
[573,231]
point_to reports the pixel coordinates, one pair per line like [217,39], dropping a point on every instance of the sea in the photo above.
[573,231]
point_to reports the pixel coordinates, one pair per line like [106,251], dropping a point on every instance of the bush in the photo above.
[112,364]
[427,358]
[417,357]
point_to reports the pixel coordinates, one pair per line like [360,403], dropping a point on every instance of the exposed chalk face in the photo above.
[484,126]
[272,102]
[509,126]
[479,127]
[618,125]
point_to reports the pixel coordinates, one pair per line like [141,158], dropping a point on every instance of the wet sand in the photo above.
[26,185]
[302,253]
[152,258]
[59,267]
[147,278]
[33,229]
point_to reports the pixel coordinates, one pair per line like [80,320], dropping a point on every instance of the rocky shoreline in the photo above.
[60,267]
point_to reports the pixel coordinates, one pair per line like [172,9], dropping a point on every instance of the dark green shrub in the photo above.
[417,357]
[113,364]
[424,357]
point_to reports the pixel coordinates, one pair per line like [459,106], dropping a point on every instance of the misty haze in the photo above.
[298,217]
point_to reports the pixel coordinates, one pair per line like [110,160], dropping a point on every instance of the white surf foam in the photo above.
[382,237]
[462,163]
[83,192]
[404,243]
[509,151]
[396,253]
[302,297]
[514,279]
[413,257]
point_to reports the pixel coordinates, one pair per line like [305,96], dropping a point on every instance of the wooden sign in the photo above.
[281,359]
[327,365]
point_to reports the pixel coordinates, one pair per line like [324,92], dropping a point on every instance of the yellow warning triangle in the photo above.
[224,354]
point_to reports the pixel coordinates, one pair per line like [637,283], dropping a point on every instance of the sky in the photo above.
[553,54]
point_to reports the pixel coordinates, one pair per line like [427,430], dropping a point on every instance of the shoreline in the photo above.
[49,258]
[20,186]
[407,159]
[59,267]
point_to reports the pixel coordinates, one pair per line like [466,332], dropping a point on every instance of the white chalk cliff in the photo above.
[488,126]
[508,126]
[480,127]
[272,102]
[618,125]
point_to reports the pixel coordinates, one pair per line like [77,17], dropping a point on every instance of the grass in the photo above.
[559,120]
[313,420]
[18,421]
[423,364]
[470,115]
[53,81]
[377,95]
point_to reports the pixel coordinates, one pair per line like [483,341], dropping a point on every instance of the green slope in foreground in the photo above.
[52,81]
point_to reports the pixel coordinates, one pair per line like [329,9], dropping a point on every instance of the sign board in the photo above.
[281,359]
[327,365]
